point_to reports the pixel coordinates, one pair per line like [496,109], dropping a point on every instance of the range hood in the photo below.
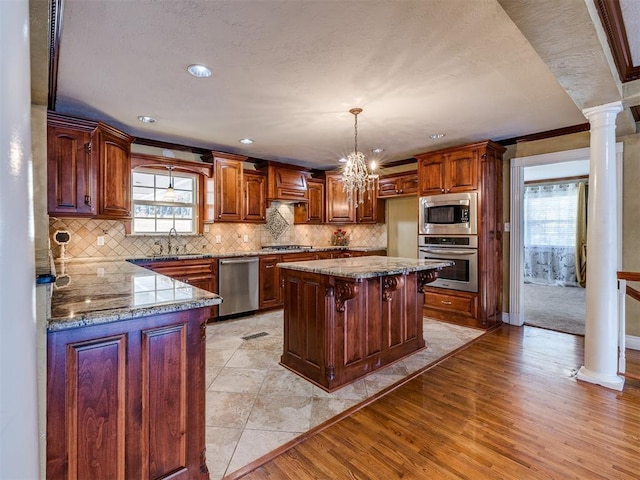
[286,183]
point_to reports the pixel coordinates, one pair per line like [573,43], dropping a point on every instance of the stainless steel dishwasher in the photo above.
[238,285]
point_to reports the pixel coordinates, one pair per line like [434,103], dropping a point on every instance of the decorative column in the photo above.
[601,333]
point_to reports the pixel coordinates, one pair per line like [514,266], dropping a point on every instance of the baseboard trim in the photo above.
[632,342]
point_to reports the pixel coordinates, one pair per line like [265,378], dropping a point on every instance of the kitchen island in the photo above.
[345,318]
[125,373]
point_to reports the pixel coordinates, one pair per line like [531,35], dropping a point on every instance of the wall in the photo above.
[631,225]
[83,243]
[402,227]
[18,370]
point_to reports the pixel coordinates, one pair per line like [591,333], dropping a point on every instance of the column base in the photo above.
[614,382]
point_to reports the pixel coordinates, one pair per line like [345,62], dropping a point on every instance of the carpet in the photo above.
[555,308]
[254,405]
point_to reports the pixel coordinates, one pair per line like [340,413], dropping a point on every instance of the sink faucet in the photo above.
[175,233]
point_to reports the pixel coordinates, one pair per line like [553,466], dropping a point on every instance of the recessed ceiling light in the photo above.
[377,150]
[342,160]
[146,119]
[199,71]
[246,141]
[436,136]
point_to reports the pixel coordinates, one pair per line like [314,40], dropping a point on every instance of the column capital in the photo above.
[608,110]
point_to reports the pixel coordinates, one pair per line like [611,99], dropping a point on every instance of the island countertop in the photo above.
[365,267]
[91,293]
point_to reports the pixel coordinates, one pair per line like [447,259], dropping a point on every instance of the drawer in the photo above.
[461,303]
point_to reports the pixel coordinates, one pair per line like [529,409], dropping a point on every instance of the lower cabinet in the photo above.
[270,291]
[127,399]
[201,273]
[451,305]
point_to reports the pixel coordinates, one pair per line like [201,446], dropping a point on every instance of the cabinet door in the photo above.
[462,171]
[114,158]
[408,184]
[431,175]
[71,176]
[270,295]
[126,399]
[315,208]
[255,193]
[339,209]
[371,210]
[228,178]
[387,187]
[287,184]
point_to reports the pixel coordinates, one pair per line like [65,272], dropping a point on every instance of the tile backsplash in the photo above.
[85,232]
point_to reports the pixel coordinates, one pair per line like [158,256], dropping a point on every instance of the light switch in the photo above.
[218,239]
[100,240]
[507,227]
[245,238]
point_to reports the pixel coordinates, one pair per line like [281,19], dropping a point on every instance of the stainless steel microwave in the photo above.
[449,214]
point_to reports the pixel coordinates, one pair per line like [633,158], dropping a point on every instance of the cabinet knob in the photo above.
[442,190]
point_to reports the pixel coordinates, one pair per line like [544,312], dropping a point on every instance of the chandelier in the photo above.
[356,177]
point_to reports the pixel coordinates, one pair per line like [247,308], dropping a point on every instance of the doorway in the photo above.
[554,232]
[544,162]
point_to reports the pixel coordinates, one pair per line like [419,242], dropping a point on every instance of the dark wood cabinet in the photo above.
[270,290]
[254,204]
[340,210]
[88,169]
[337,330]
[228,178]
[371,210]
[311,211]
[127,399]
[71,179]
[398,185]
[199,272]
[114,178]
[285,182]
[449,171]
[476,167]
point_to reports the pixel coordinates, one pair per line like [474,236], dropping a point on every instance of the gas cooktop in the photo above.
[285,247]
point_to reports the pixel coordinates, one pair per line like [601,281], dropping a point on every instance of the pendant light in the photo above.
[356,177]
[170,193]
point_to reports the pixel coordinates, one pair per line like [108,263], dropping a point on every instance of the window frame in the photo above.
[203,197]
[194,204]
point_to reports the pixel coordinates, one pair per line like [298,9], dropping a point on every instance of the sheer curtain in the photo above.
[550,213]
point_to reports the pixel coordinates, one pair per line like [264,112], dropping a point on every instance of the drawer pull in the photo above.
[268,266]
[445,303]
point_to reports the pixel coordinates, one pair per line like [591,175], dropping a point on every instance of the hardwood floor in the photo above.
[507,407]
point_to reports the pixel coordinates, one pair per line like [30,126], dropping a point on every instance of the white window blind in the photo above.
[550,215]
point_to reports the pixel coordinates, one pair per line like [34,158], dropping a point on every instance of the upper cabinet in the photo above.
[88,169]
[313,210]
[114,178]
[398,185]
[285,182]
[254,202]
[340,210]
[449,171]
[71,171]
[228,178]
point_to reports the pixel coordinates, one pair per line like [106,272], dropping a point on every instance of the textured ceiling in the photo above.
[285,73]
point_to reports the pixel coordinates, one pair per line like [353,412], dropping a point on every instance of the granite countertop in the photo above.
[96,292]
[252,253]
[365,267]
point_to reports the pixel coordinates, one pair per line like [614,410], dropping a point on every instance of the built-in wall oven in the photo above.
[460,249]
[449,214]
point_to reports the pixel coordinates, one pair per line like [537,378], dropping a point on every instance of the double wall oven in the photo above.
[448,231]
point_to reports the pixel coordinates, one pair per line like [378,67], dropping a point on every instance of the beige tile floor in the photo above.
[254,405]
